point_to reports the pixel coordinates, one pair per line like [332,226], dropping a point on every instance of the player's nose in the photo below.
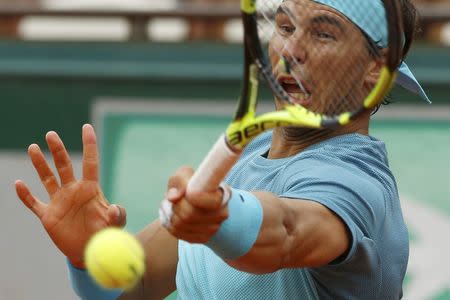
[295,48]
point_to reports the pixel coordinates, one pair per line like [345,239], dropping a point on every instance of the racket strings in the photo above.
[339,88]
[266,30]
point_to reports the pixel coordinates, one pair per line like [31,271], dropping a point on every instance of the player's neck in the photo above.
[287,142]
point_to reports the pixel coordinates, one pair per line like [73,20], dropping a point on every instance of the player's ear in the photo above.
[374,68]
[373,71]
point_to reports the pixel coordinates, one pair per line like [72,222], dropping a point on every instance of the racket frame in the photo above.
[246,125]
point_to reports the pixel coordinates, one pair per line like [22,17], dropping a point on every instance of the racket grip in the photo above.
[214,167]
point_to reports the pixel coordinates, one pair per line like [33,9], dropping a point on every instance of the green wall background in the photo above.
[52,85]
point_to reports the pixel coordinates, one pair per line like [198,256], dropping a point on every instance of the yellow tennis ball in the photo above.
[115,259]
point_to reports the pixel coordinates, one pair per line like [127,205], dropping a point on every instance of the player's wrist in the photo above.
[86,288]
[239,232]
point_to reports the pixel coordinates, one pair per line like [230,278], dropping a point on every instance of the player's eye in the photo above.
[324,35]
[283,25]
[286,29]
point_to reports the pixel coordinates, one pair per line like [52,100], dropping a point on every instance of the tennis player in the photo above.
[308,214]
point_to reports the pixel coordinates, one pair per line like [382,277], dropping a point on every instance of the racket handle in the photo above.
[214,167]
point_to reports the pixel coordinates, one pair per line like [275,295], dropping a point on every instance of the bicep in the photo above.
[294,234]
[317,236]
[161,254]
[353,202]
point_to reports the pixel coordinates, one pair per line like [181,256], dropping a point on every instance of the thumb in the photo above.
[117,215]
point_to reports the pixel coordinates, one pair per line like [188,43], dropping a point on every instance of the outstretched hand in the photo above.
[77,207]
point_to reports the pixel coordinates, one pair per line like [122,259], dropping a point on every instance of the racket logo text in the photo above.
[241,136]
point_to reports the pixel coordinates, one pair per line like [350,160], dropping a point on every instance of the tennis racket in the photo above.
[326,62]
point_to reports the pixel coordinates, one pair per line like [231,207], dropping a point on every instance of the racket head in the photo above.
[326,61]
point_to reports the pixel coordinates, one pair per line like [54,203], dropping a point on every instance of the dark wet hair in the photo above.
[410,29]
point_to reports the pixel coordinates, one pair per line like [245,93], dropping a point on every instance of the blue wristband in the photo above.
[86,288]
[237,234]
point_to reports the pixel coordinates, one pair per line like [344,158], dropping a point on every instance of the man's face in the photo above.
[326,53]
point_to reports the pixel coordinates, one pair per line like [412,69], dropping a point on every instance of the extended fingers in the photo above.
[24,194]
[61,158]
[46,175]
[90,154]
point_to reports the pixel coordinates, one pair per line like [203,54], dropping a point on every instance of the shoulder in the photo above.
[351,158]
[349,175]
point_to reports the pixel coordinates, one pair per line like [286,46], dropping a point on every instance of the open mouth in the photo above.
[299,91]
